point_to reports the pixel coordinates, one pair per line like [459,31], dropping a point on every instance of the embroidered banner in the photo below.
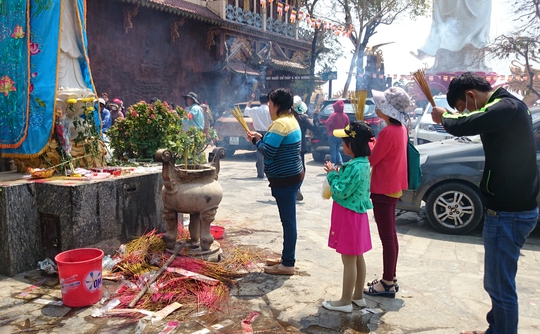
[14,73]
[29,70]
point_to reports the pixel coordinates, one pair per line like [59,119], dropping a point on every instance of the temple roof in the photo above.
[192,10]
[289,65]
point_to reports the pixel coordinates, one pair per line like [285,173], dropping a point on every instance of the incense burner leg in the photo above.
[207,217]
[170,216]
[194,228]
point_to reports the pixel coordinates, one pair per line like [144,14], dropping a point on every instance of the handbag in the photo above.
[414,170]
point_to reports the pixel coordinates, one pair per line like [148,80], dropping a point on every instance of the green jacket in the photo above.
[350,187]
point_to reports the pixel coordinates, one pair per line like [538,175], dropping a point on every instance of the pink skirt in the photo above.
[349,231]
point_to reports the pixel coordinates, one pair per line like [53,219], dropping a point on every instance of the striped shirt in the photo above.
[280,148]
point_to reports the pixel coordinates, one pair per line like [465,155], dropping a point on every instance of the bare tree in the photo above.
[523,44]
[324,46]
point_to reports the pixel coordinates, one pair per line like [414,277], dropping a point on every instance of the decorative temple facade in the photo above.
[222,50]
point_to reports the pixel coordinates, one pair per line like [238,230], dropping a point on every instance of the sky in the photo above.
[409,35]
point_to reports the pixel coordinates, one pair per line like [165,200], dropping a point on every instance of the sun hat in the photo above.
[338,106]
[193,96]
[298,105]
[358,130]
[393,102]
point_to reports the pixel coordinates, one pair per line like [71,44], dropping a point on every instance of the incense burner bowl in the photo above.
[193,190]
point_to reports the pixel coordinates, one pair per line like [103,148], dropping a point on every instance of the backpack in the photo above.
[414,170]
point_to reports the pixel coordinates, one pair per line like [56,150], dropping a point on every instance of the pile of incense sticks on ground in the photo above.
[192,282]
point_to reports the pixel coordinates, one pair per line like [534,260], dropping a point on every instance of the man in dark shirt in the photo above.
[510,183]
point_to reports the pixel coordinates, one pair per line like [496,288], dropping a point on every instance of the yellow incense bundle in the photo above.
[237,113]
[420,78]
[358,101]
[255,85]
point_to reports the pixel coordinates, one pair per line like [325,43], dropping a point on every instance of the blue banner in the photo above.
[14,72]
[29,72]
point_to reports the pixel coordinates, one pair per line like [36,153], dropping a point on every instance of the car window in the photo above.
[535,112]
[369,109]
[439,102]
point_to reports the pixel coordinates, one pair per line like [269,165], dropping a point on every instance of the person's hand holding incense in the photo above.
[436,114]
[254,136]
[251,100]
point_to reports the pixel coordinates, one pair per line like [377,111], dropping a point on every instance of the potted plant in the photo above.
[147,128]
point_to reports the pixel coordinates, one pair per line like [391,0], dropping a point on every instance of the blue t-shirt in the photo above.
[196,118]
[106,120]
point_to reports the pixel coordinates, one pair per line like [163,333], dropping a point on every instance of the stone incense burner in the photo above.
[194,191]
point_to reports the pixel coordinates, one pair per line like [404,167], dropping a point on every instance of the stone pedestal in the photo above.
[213,254]
[41,219]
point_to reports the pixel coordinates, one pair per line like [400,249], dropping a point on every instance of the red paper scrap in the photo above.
[169,327]
[191,274]
[27,291]
[246,323]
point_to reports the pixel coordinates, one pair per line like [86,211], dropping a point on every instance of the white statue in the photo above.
[69,73]
[71,84]
[459,29]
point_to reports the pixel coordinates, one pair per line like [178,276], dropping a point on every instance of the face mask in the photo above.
[466,110]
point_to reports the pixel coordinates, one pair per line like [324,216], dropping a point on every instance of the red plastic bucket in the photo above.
[217,231]
[79,271]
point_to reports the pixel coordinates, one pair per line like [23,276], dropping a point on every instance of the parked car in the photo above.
[318,142]
[231,135]
[452,170]
[426,131]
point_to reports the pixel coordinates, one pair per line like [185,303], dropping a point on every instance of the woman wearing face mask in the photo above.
[280,147]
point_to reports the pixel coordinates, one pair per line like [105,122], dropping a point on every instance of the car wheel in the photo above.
[318,156]
[454,208]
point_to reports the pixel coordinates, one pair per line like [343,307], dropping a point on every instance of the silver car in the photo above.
[449,192]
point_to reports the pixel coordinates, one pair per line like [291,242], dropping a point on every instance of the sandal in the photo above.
[375,281]
[386,293]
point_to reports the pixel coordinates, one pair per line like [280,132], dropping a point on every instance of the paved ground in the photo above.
[440,276]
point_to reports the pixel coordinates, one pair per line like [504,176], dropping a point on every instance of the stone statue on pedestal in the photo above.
[459,30]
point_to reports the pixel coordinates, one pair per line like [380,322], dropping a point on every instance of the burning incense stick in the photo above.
[255,85]
[237,113]
[358,100]
[420,78]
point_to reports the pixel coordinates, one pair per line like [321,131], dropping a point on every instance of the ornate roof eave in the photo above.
[287,65]
[271,36]
[215,19]
[279,64]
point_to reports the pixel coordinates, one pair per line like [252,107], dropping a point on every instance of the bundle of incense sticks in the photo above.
[420,78]
[237,113]
[255,85]
[358,101]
